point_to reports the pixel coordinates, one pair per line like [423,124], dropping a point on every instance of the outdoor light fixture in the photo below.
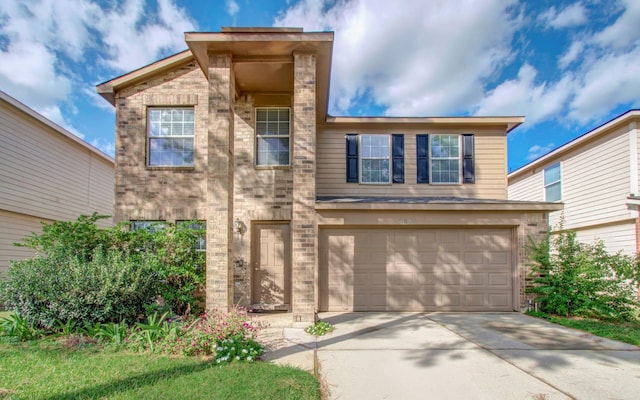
[239,227]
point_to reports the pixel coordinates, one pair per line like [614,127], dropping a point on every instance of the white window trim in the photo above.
[272,136]
[459,158]
[545,185]
[360,158]
[149,138]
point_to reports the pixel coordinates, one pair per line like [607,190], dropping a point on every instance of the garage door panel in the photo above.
[416,270]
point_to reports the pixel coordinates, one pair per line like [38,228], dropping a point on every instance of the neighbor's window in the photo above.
[170,133]
[272,136]
[552,185]
[375,159]
[445,158]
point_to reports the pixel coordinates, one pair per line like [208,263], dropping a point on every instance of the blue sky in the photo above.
[567,66]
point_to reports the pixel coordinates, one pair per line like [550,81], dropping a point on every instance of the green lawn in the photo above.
[42,370]
[623,331]
[4,314]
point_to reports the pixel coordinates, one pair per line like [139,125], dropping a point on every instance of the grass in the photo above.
[627,332]
[5,314]
[48,370]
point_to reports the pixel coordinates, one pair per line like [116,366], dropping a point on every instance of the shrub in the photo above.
[18,328]
[320,328]
[571,278]
[238,348]
[90,275]
[110,287]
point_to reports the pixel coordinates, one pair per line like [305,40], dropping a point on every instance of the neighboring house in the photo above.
[596,177]
[46,174]
[310,212]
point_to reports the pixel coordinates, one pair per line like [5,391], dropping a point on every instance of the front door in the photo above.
[271,266]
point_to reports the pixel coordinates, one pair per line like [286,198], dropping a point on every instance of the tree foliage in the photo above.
[573,278]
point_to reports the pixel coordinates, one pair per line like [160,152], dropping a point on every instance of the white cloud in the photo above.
[106,147]
[608,81]
[571,55]
[537,151]
[524,96]
[232,7]
[625,31]
[408,57]
[572,15]
[134,38]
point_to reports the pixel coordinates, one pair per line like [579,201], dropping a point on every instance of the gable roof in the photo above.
[600,131]
[107,89]
[57,128]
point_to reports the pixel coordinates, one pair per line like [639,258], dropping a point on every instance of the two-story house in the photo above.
[596,177]
[310,212]
[46,174]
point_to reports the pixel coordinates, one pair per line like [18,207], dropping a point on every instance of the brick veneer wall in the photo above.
[219,289]
[304,229]
[261,194]
[144,193]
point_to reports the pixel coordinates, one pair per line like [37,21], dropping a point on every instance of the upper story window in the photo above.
[552,183]
[273,136]
[170,136]
[445,158]
[375,159]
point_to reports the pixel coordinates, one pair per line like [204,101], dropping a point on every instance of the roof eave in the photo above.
[108,89]
[575,143]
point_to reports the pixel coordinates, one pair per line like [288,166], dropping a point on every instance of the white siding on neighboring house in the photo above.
[595,183]
[619,237]
[597,176]
[46,174]
[529,188]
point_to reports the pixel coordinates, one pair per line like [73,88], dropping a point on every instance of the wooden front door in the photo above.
[271,265]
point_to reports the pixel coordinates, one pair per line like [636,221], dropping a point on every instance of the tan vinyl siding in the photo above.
[618,237]
[14,228]
[595,183]
[45,174]
[490,166]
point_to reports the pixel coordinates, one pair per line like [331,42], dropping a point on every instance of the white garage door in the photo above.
[415,270]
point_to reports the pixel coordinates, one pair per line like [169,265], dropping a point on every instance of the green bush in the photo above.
[572,278]
[112,286]
[90,275]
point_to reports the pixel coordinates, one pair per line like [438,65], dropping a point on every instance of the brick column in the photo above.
[219,281]
[304,231]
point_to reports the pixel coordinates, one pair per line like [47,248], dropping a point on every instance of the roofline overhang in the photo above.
[510,122]
[108,89]
[236,42]
[441,206]
[62,131]
[581,140]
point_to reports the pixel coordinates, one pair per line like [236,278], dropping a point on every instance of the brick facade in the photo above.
[170,194]
[304,230]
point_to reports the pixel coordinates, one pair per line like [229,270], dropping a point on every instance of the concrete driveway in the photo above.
[471,356]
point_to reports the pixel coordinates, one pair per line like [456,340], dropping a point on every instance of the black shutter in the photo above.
[422,146]
[468,167]
[397,153]
[352,157]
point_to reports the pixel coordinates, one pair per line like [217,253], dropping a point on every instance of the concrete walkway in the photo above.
[459,356]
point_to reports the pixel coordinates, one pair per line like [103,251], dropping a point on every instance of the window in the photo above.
[375,159]
[445,159]
[201,244]
[170,133]
[151,226]
[552,186]
[272,136]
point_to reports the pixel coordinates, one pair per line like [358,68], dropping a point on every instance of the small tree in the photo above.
[571,278]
